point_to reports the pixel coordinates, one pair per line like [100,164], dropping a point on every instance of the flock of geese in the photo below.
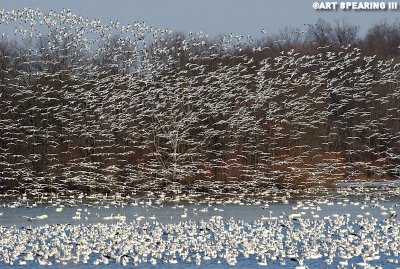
[332,240]
[92,107]
[105,107]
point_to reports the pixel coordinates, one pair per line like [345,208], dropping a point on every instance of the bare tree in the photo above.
[320,33]
[345,33]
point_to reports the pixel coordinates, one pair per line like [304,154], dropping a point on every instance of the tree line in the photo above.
[113,108]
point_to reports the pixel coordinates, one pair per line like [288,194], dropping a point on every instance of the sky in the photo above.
[213,17]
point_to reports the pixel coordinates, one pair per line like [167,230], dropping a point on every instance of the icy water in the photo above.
[326,233]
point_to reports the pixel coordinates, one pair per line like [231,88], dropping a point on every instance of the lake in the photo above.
[342,230]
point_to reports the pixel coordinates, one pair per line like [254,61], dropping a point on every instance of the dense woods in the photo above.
[106,107]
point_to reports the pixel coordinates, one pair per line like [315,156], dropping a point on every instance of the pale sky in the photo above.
[245,17]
